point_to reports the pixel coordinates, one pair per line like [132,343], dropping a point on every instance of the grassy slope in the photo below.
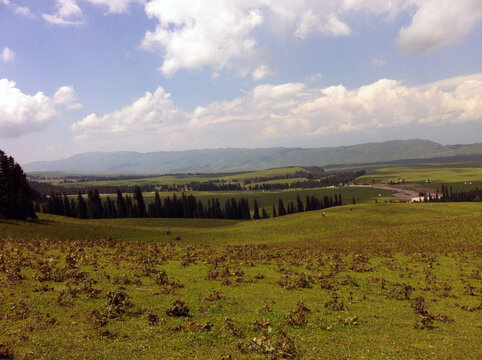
[453,173]
[392,235]
[367,226]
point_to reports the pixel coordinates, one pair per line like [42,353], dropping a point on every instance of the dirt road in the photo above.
[399,192]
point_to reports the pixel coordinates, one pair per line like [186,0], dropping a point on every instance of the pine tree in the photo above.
[121,205]
[139,205]
[301,208]
[81,206]
[129,208]
[274,211]
[16,196]
[265,214]
[281,208]
[256,210]
[67,209]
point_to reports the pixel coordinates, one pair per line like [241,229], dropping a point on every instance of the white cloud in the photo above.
[378,62]
[22,113]
[192,34]
[151,113]
[115,6]
[7,55]
[291,110]
[261,72]
[19,10]
[65,96]
[439,23]
[68,14]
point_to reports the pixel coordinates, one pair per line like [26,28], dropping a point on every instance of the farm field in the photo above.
[378,281]
[176,179]
[459,175]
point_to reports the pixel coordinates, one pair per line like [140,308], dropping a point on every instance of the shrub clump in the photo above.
[117,303]
[178,309]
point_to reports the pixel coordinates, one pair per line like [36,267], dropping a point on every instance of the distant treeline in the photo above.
[315,174]
[185,206]
[215,185]
[448,195]
[342,178]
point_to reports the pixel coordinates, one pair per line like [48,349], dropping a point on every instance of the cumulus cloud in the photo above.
[439,23]
[262,72]
[222,34]
[292,110]
[192,34]
[68,13]
[152,113]
[65,96]
[19,10]
[22,113]
[7,55]
[195,34]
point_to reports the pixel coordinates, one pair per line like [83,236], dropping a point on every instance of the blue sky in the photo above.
[151,75]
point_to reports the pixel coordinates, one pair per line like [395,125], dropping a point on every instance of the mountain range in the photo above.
[232,159]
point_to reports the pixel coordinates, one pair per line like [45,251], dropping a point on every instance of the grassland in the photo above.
[176,179]
[379,281]
[459,175]
[266,199]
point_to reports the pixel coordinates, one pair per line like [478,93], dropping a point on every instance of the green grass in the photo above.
[266,199]
[376,259]
[367,226]
[456,174]
[187,178]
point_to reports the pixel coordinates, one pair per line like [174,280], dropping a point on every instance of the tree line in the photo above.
[46,189]
[449,195]
[332,180]
[184,206]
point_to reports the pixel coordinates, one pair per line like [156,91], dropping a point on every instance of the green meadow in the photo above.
[371,280]
[460,175]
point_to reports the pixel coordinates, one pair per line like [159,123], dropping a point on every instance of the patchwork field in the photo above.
[461,175]
[366,281]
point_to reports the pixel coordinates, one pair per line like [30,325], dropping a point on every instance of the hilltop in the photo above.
[232,159]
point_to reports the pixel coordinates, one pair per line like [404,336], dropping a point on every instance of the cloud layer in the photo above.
[292,110]
[22,113]
[224,34]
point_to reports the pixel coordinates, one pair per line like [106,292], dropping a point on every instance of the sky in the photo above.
[155,75]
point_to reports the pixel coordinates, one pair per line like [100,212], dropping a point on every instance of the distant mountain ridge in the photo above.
[232,159]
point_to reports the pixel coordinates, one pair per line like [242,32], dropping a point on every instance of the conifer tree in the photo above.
[281,208]
[301,208]
[121,205]
[16,196]
[265,214]
[140,206]
[81,206]
[256,210]
[274,211]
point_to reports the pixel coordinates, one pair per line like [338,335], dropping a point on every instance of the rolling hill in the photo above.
[232,159]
